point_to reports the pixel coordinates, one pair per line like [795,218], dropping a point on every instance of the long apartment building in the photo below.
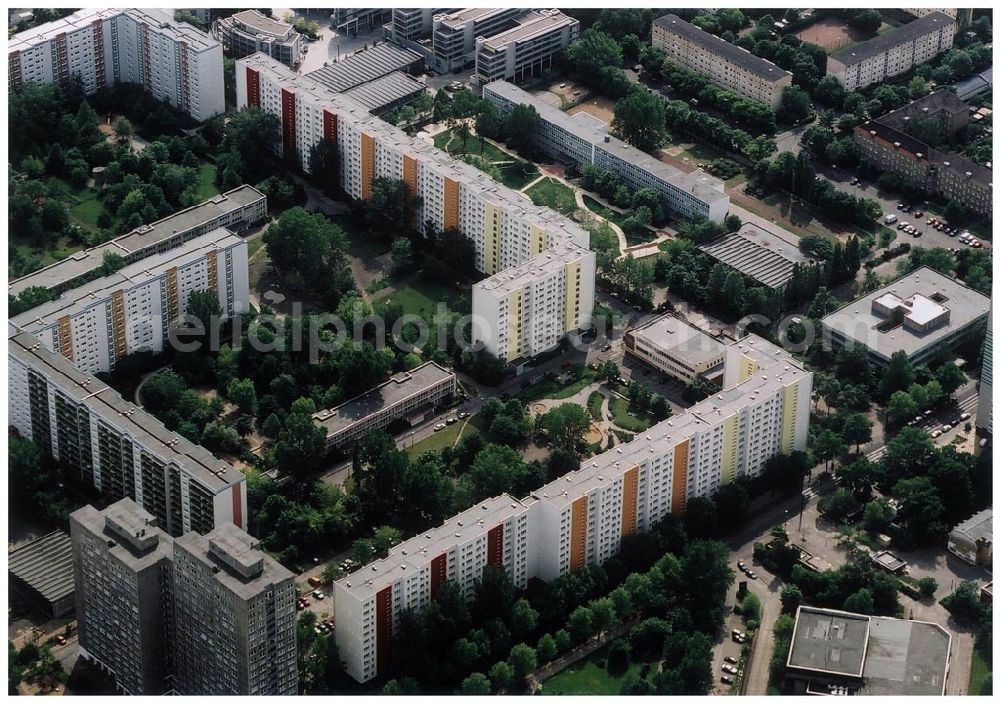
[525,49]
[249,31]
[236,210]
[507,230]
[454,33]
[402,396]
[582,139]
[132,310]
[102,440]
[887,144]
[892,53]
[581,518]
[729,65]
[171,60]
[195,615]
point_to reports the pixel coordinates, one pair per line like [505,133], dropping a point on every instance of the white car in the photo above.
[946,428]
[966,416]
[935,434]
[729,669]
[438,427]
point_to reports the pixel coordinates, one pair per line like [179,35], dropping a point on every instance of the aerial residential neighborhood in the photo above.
[500,351]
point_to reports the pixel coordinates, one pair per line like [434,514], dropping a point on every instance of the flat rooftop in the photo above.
[548,261]
[96,292]
[45,566]
[889,561]
[364,66]
[765,255]
[212,473]
[720,47]
[400,387]
[134,538]
[387,90]
[417,552]
[901,35]
[86,261]
[528,26]
[829,641]
[454,20]
[858,323]
[238,563]
[263,24]
[677,337]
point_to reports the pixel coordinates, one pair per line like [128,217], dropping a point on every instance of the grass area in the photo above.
[551,193]
[206,182]
[361,239]
[621,417]
[604,211]
[444,438]
[254,246]
[590,676]
[981,667]
[550,388]
[594,404]
[603,238]
[420,297]
[515,177]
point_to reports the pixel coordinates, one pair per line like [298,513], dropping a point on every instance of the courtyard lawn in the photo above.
[604,211]
[551,193]
[513,174]
[551,388]
[620,416]
[979,671]
[515,177]
[87,211]
[421,297]
[206,182]
[590,676]
[594,404]
[444,438]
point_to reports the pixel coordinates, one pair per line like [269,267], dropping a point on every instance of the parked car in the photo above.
[946,428]
[741,566]
[751,574]
[729,668]
[731,660]
[728,680]
[918,214]
[314,582]
[318,594]
[438,427]
[463,415]
[917,234]
[935,434]
[451,420]
[739,636]
[965,416]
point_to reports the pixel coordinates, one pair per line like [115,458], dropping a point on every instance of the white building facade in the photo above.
[526,49]
[171,60]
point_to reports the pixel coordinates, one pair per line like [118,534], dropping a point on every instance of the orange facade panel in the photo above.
[578,534]
[451,197]
[679,490]
[212,261]
[173,308]
[118,321]
[367,165]
[630,497]
[65,337]
[410,179]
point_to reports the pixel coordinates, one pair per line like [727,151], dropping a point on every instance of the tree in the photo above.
[249,136]
[204,306]
[497,469]
[950,377]
[581,624]
[521,127]
[878,515]
[489,122]
[502,676]
[791,598]
[566,425]
[964,604]
[243,394]
[862,602]
[830,92]
[900,407]
[794,103]
[122,129]
[827,446]
[928,586]
[300,449]
[603,613]
[309,250]
[476,685]
[426,491]
[920,510]
[546,649]
[618,655]
[839,505]
[385,538]
[857,430]
[640,120]
[607,371]
[593,51]
[522,660]
[402,254]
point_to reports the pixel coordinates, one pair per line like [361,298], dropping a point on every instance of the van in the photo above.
[314,582]
[889,219]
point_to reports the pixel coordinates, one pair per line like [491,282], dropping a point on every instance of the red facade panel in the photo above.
[238,505]
[494,546]
[253,88]
[329,126]
[383,629]
[439,572]
[288,120]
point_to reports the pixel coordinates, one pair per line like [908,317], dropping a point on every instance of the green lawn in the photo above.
[445,438]
[594,404]
[977,674]
[603,238]
[515,178]
[253,246]
[589,676]
[87,212]
[206,182]
[511,174]
[621,417]
[550,388]
[604,211]
[421,297]
[551,193]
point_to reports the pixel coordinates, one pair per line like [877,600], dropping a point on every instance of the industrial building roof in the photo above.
[730,52]
[978,526]
[76,300]
[973,85]
[386,91]
[764,255]
[212,473]
[675,336]
[236,558]
[857,322]
[365,66]
[416,553]
[400,387]
[857,53]
[45,566]
[86,261]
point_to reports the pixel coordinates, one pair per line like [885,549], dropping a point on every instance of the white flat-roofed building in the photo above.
[984,408]
[729,65]
[249,31]
[104,441]
[582,517]
[506,229]
[401,396]
[368,602]
[170,60]
[100,322]
[235,618]
[526,49]
[527,309]
[454,34]
[892,53]
[920,314]
[581,139]
[235,210]
[676,348]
